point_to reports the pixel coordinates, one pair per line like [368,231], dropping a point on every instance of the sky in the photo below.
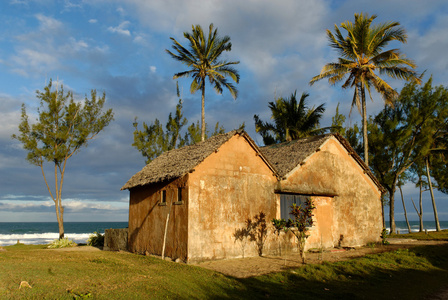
[118,47]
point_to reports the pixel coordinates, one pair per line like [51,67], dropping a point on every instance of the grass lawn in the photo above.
[56,274]
[432,235]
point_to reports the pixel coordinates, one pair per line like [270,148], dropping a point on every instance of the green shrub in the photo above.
[62,243]
[96,239]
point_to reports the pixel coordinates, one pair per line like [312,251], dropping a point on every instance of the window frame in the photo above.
[297,199]
[179,196]
[162,197]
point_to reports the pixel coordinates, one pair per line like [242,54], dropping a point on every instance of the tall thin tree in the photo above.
[203,59]
[62,128]
[362,57]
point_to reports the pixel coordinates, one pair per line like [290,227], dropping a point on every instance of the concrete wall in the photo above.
[353,206]
[147,219]
[228,187]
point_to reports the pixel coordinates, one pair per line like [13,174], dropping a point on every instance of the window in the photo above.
[286,201]
[179,194]
[163,197]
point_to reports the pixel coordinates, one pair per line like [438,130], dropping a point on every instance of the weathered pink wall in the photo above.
[230,186]
[353,205]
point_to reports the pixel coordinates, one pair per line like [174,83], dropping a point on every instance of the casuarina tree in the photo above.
[63,126]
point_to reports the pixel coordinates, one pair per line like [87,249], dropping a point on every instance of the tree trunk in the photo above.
[421,208]
[419,212]
[436,217]
[364,126]
[392,206]
[203,111]
[404,208]
[60,218]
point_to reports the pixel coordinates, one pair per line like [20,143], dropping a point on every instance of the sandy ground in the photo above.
[253,266]
[77,248]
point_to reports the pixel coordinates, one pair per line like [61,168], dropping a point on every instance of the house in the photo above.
[189,202]
[346,194]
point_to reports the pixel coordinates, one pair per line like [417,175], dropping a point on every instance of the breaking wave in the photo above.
[40,238]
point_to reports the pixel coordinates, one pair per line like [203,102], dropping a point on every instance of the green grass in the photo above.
[55,274]
[432,235]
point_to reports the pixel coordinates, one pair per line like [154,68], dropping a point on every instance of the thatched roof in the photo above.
[176,163]
[280,158]
[288,155]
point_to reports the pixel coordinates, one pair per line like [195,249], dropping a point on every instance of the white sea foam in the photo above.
[40,238]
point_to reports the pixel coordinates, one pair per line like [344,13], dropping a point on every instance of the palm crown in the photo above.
[203,59]
[362,57]
[292,120]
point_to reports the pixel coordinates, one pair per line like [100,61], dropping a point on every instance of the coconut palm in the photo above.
[203,59]
[292,120]
[362,58]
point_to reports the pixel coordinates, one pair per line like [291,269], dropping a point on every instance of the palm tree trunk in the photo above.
[203,112]
[364,126]
[404,208]
[436,216]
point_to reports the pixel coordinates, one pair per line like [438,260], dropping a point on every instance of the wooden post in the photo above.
[166,229]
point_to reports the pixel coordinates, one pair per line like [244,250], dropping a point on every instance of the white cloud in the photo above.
[139,39]
[48,23]
[93,21]
[153,69]
[34,59]
[120,29]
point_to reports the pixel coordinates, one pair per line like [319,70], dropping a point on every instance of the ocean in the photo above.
[79,232]
[402,227]
[46,232]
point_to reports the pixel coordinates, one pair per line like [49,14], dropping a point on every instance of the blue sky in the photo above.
[119,47]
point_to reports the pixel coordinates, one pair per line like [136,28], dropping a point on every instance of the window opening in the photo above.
[163,198]
[179,194]
[286,201]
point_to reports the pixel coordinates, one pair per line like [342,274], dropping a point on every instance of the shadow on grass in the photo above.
[401,274]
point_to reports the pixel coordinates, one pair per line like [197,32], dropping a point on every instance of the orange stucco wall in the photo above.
[234,184]
[147,219]
[228,187]
[352,207]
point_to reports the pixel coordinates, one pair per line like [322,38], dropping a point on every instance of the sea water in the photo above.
[402,227]
[79,232]
[46,232]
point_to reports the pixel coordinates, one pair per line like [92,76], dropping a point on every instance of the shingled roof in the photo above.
[178,162]
[288,155]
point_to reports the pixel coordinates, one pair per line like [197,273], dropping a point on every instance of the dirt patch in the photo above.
[254,266]
[77,248]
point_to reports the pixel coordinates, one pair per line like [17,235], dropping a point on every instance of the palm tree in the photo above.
[361,56]
[292,120]
[202,58]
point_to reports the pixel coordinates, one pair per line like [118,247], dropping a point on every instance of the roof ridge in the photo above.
[178,162]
